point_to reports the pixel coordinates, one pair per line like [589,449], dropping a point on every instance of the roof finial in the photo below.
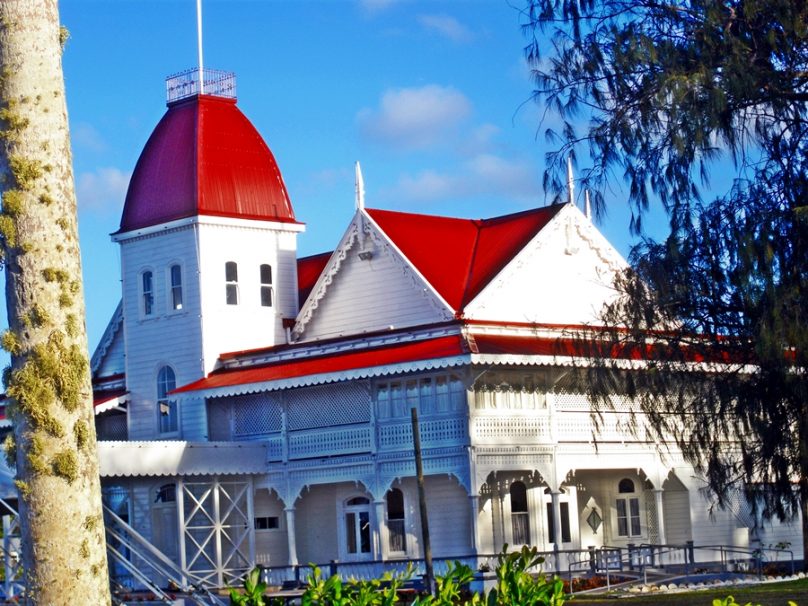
[570,182]
[199,45]
[587,205]
[360,188]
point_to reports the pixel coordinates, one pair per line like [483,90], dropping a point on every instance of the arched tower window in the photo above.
[147,292]
[167,409]
[266,285]
[231,282]
[628,510]
[176,287]
[520,516]
[395,521]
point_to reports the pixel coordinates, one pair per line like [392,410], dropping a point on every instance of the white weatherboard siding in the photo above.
[271,545]
[316,523]
[247,325]
[563,276]
[372,295]
[676,503]
[166,337]
[449,516]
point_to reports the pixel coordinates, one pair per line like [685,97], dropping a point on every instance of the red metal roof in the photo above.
[459,257]
[308,271]
[205,158]
[428,349]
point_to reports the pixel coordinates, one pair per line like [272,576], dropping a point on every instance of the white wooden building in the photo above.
[254,407]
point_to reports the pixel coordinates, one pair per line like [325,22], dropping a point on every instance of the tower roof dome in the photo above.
[205,158]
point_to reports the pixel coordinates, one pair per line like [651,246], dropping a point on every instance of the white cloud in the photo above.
[85,135]
[483,175]
[413,118]
[446,26]
[103,190]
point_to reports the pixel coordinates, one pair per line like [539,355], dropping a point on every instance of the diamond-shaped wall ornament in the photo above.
[594,520]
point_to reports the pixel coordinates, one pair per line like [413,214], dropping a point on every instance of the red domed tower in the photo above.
[208,250]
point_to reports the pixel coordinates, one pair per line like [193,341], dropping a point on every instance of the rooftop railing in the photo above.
[186,84]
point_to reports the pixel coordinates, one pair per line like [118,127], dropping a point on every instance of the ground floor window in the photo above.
[357,526]
[520,517]
[628,510]
[395,521]
[566,535]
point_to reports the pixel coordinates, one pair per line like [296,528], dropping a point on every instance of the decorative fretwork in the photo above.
[329,442]
[580,401]
[327,406]
[505,430]
[439,432]
[256,415]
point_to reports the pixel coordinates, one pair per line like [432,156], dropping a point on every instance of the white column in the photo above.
[290,535]
[474,504]
[555,496]
[380,532]
[660,516]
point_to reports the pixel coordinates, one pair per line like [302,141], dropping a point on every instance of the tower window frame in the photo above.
[176,301]
[146,285]
[265,276]
[167,413]
[231,283]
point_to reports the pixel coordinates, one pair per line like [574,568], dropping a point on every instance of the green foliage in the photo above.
[253,593]
[657,94]
[449,588]
[516,586]
[334,592]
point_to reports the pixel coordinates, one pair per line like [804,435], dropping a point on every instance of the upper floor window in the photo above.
[231,282]
[430,395]
[167,409]
[266,285]
[176,287]
[147,292]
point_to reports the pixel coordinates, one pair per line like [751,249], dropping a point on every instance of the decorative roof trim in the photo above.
[107,338]
[173,458]
[329,377]
[208,219]
[363,225]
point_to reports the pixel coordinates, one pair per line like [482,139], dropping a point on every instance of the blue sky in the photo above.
[432,97]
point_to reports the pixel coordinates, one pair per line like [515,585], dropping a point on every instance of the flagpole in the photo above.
[199,45]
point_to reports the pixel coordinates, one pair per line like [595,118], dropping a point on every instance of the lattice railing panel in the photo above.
[329,442]
[274,449]
[580,401]
[327,406]
[256,415]
[612,427]
[443,432]
[509,429]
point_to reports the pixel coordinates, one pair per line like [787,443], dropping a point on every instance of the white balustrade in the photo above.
[327,442]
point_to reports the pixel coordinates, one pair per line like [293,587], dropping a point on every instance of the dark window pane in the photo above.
[395,504]
[518,498]
[266,274]
[266,296]
[231,271]
[625,486]
[364,531]
[232,294]
[350,531]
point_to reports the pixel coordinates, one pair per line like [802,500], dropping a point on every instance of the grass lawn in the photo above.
[769,594]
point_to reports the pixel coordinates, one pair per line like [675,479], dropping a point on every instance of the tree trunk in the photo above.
[63,546]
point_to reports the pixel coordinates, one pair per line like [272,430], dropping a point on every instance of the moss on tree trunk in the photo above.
[64,552]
